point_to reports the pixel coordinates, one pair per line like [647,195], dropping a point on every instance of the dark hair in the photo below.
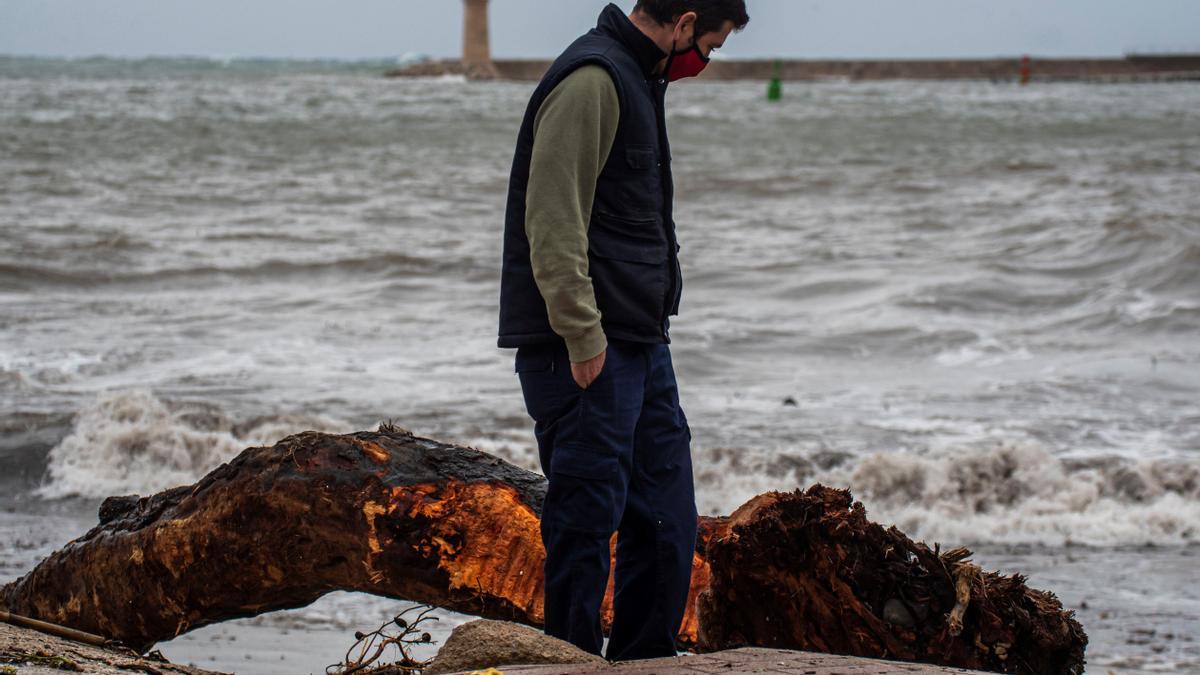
[710,14]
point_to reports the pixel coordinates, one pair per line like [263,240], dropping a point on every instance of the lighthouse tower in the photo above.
[477,50]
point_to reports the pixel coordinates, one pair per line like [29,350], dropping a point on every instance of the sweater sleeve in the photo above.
[573,134]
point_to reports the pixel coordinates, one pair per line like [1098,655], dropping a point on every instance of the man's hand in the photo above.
[585,372]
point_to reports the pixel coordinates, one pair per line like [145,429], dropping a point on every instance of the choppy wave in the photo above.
[1011,494]
[132,441]
[1022,264]
[23,276]
[100,66]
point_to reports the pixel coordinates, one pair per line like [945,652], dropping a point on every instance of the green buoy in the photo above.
[775,88]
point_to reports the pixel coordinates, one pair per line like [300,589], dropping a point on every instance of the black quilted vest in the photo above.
[632,250]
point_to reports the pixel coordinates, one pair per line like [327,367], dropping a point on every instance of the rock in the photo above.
[29,651]
[479,644]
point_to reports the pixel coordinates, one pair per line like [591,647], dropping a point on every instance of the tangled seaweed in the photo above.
[371,646]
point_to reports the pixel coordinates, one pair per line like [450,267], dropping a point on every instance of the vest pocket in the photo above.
[628,251]
[628,265]
[640,157]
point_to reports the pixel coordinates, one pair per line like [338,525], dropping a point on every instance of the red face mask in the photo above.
[688,64]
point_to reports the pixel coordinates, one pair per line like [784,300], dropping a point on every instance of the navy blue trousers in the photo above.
[618,459]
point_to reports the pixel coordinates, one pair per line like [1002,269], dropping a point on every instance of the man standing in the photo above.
[590,277]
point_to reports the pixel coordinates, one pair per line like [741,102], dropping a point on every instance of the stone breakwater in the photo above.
[1129,69]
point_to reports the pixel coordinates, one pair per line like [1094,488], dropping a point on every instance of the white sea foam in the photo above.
[132,441]
[51,367]
[988,352]
[1006,494]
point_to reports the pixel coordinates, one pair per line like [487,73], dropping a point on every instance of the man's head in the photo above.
[678,26]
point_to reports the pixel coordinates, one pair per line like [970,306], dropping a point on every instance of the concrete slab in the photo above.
[744,660]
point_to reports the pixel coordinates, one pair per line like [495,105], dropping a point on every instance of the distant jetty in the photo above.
[477,64]
[1132,68]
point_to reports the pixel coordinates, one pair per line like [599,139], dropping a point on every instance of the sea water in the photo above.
[974,304]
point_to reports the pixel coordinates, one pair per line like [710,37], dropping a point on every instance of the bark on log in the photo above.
[278,527]
[808,571]
[395,515]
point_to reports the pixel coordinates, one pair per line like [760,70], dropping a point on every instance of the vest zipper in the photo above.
[660,103]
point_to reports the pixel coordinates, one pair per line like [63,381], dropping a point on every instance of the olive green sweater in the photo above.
[573,134]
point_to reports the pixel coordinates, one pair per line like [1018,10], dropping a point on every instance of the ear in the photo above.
[684,24]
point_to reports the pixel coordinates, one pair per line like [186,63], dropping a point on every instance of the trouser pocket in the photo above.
[549,393]
[586,493]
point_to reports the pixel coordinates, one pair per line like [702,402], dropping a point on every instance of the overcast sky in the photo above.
[541,28]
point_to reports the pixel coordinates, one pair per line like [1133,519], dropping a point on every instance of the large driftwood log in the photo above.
[808,571]
[278,527]
[395,515]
